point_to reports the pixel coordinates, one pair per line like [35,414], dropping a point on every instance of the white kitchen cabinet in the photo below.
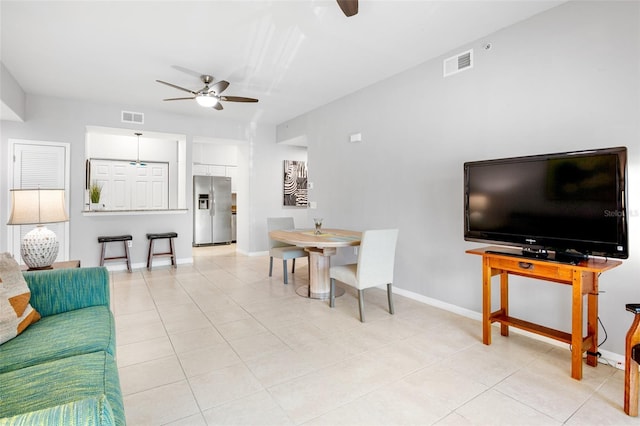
[200,170]
[217,170]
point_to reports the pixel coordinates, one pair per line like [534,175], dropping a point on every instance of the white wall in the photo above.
[266,198]
[216,152]
[12,97]
[566,79]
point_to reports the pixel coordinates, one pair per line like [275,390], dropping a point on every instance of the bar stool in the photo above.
[631,361]
[167,235]
[112,239]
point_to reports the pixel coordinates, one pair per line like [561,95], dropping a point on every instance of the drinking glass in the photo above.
[318,222]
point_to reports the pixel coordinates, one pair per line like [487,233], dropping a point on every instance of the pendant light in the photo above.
[137,163]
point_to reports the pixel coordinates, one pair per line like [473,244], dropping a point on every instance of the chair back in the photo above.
[376,257]
[276,224]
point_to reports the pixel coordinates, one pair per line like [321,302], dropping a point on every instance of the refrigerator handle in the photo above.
[212,210]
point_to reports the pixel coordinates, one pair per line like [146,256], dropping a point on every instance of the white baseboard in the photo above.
[122,266]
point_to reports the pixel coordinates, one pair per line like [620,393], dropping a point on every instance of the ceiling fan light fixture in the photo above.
[206,100]
[210,95]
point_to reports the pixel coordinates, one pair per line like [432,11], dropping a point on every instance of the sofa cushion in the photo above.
[62,290]
[86,412]
[16,314]
[71,333]
[60,382]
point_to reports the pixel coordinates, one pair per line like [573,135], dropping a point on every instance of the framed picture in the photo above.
[295,184]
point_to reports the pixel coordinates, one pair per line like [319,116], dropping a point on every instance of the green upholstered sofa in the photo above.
[62,369]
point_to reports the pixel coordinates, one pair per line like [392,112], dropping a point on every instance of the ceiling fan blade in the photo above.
[178,99]
[176,87]
[349,7]
[237,99]
[218,106]
[219,87]
[187,71]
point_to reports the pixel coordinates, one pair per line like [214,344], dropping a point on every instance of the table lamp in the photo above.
[39,247]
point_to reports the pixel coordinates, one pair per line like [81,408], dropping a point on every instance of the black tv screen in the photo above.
[572,203]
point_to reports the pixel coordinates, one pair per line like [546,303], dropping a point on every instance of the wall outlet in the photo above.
[130,243]
[355,250]
[313,205]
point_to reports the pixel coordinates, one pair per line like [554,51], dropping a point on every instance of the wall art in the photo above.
[295,184]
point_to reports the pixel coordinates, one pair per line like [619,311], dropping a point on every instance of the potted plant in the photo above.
[94,195]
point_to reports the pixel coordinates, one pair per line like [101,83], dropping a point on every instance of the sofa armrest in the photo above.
[61,290]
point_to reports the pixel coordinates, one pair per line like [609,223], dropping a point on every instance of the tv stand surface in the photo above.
[583,277]
[549,256]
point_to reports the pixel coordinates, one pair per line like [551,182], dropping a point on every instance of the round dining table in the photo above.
[320,248]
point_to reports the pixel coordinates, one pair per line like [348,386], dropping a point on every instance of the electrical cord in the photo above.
[596,354]
[605,332]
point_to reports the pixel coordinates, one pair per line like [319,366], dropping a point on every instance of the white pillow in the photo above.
[16,314]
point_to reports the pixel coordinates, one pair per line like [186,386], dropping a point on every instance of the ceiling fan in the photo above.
[349,7]
[210,95]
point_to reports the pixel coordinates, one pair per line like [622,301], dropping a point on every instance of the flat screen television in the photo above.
[562,206]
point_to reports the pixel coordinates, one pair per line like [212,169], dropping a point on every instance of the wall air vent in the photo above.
[132,117]
[457,63]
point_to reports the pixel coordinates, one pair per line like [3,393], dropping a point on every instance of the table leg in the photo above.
[591,287]
[576,326]
[504,301]
[319,282]
[486,301]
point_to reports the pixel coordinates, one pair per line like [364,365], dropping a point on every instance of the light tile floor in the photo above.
[220,343]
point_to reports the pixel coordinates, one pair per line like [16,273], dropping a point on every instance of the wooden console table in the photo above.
[583,278]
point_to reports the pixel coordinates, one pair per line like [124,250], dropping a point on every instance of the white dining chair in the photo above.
[376,258]
[282,250]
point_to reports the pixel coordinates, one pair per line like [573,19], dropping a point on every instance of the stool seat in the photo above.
[158,236]
[633,307]
[162,235]
[104,239]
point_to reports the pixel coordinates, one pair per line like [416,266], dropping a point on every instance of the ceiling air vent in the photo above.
[132,117]
[460,62]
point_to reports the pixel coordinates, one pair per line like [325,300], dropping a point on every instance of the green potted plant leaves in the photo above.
[94,195]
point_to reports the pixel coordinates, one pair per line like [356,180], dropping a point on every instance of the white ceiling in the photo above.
[293,55]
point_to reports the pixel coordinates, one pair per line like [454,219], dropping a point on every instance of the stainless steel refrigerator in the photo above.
[211,210]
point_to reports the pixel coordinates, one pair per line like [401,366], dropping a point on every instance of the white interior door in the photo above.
[128,187]
[150,186]
[40,165]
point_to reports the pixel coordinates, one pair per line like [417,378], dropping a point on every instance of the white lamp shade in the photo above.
[37,206]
